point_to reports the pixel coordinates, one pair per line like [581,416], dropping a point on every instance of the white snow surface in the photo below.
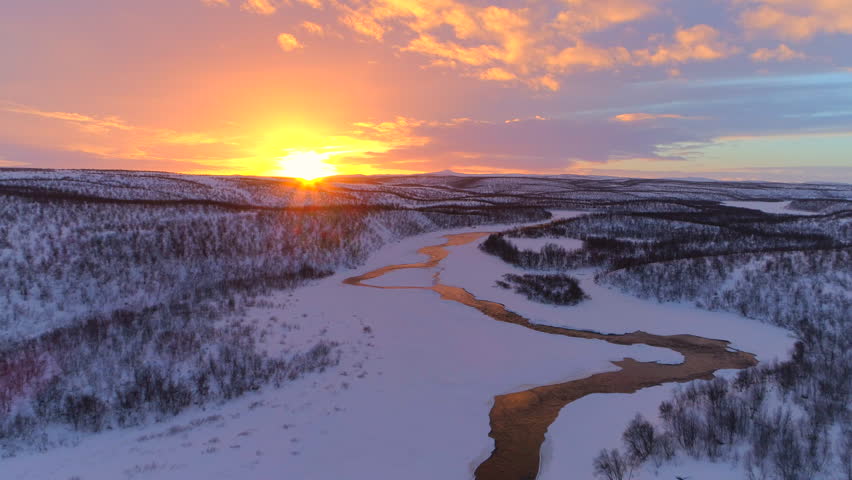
[411,396]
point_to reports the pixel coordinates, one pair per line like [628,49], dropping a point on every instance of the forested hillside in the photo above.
[786,420]
[118,312]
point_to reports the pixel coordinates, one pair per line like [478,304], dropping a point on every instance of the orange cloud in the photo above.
[797,19]
[288,42]
[10,163]
[263,7]
[591,57]
[312,28]
[476,56]
[497,74]
[113,137]
[496,43]
[362,22]
[545,82]
[782,53]
[483,36]
[313,3]
[529,42]
[593,15]
[85,122]
[400,131]
[517,119]
[697,43]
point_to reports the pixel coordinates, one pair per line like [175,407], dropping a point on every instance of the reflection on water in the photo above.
[520,420]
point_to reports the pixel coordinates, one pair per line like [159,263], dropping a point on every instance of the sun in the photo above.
[305,164]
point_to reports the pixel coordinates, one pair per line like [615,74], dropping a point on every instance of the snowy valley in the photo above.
[170,326]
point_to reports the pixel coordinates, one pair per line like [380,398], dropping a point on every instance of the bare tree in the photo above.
[640,439]
[611,465]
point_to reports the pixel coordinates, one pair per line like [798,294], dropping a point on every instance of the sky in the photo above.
[726,89]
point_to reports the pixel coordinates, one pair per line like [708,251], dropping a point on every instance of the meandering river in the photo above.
[519,421]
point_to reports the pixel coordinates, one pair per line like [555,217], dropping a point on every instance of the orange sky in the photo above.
[729,89]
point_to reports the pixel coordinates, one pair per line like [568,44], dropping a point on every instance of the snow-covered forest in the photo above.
[115,312]
[788,420]
[124,295]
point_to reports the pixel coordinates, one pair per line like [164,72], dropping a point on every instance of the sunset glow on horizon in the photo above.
[307,165]
[736,89]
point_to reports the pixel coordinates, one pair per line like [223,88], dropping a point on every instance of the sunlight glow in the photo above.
[306,164]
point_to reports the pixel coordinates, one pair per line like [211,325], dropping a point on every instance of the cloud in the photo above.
[545,82]
[47,157]
[111,136]
[85,122]
[515,120]
[539,43]
[288,42]
[487,37]
[698,43]
[480,55]
[530,43]
[590,57]
[497,74]
[10,163]
[782,53]
[594,15]
[643,117]
[313,3]
[263,7]
[312,28]
[361,22]
[796,19]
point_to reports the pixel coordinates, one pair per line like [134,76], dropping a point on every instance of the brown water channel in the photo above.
[520,420]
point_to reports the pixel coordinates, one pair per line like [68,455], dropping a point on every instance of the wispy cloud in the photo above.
[644,117]
[312,28]
[782,53]
[86,122]
[701,43]
[361,22]
[796,20]
[111,136]
[263,7]
[4,163]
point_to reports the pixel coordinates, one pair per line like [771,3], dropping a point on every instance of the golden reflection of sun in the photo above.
[307,165]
